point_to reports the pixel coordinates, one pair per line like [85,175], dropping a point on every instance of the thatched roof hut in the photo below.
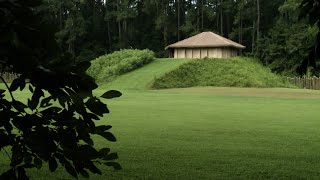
[205,44]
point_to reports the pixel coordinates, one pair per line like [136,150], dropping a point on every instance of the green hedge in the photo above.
[235,72]
[106,67]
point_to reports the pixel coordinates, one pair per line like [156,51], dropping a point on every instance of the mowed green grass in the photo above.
[208,133]
[142,78]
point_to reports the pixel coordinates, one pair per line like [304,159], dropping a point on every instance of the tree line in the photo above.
[270,30]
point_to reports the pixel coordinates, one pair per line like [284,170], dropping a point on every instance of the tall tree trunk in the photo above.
[241,30]
[178,1]
[240,21]
[198,15]
[227,24]
[221,18]
[109,35]
[119,23]
[60,22]
[201,15]
[253,36]
[258,25]
[217,15]
[60,16]
[108,27]
[165,39]
[258,19]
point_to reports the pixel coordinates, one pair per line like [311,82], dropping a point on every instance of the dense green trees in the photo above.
[89,28]
[270,30]
[286,44]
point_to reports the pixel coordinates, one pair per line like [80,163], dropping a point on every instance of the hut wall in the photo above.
[181,53]
[211,52]
[219,52]
[222,52]
[204,53]
[189,53]
[225,53]
[196,53]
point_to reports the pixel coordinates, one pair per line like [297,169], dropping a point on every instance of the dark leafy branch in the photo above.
[56,123]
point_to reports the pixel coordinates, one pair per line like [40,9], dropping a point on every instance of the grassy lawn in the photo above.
[212,133]
[206,133]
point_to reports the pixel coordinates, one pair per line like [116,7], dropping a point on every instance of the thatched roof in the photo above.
[205,39]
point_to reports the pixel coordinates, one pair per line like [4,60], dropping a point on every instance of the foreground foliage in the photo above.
[236,72]
[107,67]
[55,124]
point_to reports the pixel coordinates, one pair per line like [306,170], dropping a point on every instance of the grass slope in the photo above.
[142,78]
[210,133]
[236,72]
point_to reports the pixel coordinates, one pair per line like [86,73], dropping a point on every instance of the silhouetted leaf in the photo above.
[17,155]
[70,169]
[108,135]
[37,94]
[22,175]
[10,174]
[115,165]
[19,106]
[92,116]
[22,84]
[31,88]
[102,128]
[84,173]
[32,104]
[2,91]
[28,166]
[93,168]
[16,83]
[111,156]
[37,162]
[96,106]
[88,140]
[53,164]
[104,152]
[28,159]
[45,102]
[87,152]
[111,94]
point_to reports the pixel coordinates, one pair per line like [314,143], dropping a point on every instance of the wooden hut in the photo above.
[205,44]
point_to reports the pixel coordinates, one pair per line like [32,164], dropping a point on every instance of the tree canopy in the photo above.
[271,30]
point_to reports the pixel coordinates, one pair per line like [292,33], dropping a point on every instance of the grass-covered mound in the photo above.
[235,72]
[107,67]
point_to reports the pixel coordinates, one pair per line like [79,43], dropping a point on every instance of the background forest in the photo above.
[271,30]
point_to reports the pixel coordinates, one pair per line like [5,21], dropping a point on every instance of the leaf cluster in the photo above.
[56,123]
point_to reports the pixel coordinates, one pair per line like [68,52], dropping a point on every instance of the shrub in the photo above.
[235,72]
[106,67]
